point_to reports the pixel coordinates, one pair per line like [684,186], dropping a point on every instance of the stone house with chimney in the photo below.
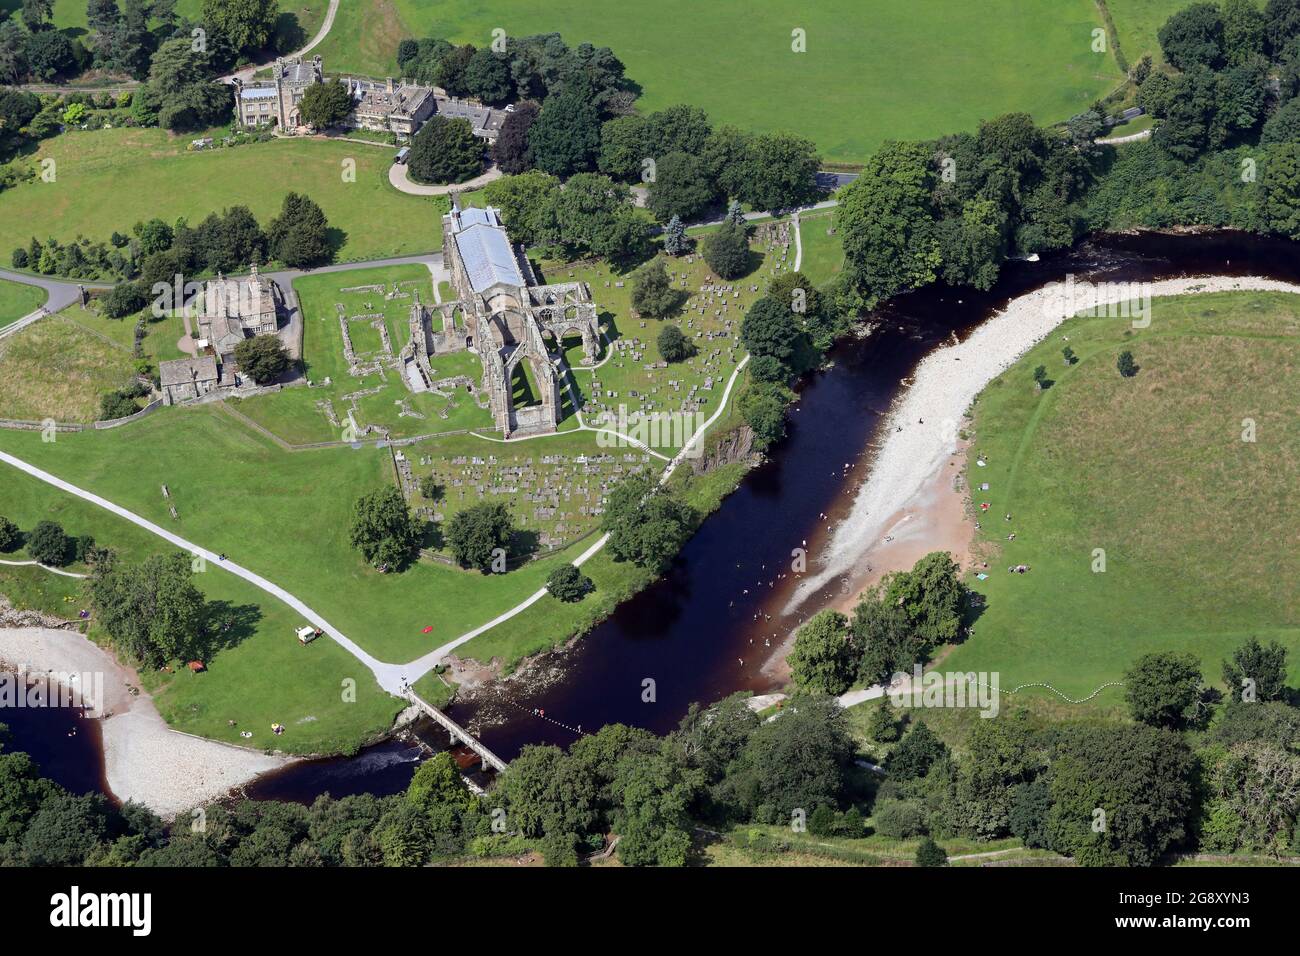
[236,309]
[184,380]
[275,102]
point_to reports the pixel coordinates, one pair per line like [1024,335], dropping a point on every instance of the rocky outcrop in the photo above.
[736,445]
[10,616]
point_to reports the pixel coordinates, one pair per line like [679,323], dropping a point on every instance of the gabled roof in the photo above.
[487,254]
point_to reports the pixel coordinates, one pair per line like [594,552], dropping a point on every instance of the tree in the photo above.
[382,528]
[36,13]
[1139,778]
[653,793]
[431,489]
[1164,690]
[973,245]
[645,524]
[885,225]
[1281,24]
[300,235]
[779,172]
[1127,367]
[487,77]
[480,534]
[152,610]
[48,544]
[796,762]
[675,241]
[710,738]
[824,658]
[1281,210]
[10,536]
[919,750]
[125,298]
[445,151]
[1243,31]
[929,853]
[1255,672]
[566,136]
[726,250]
[1068,355]
[325,104]
[511,151]
[1040,376]
[681,188]
[1284,125]
[673,344]
[771,328]
[526,203]
[262,358]
[626,142]
[247,25]
[102,15]
[763,407]
[1194,37]
[652,291]
[932,596]
[65,830]
[568,584]
[547,791]
[180,93]
[49,54]
[882,725]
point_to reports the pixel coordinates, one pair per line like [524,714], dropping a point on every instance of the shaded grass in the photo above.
[18,300]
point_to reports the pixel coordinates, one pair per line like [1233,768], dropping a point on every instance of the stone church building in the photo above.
[508,319]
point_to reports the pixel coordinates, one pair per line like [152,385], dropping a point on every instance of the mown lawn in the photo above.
[823,254]
[285,515]
[18,300]
[1198,526]
[896,69]
[266,678]
[1139,21]
[107,180]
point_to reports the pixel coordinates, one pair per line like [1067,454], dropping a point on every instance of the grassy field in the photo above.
[1198,526]
[109,179]
[57,368]
[266,678]
[301,416]
[285,515]
[17,300]
[898,69]
[1138,22]
[823,255]
[70,15]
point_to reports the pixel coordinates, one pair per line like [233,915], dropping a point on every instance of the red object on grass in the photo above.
[427,629]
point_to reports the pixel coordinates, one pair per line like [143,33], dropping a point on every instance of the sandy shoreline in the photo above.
[920,436]
[144,759]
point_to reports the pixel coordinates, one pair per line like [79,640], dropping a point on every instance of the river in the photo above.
[704,630]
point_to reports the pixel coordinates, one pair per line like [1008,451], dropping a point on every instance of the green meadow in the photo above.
[17,300]
[894,69]
[107,180]
[266,677]
[1156,513]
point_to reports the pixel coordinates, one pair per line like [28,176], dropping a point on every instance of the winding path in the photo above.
[393,678]
[247,72]
[399,177]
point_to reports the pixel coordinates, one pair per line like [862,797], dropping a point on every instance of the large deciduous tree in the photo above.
[445,151]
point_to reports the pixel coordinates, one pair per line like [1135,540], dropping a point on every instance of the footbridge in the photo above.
[457,731]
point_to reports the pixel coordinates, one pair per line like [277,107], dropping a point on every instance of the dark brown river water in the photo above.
[699,633]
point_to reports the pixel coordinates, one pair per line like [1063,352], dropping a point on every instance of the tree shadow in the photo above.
[289,34]
[335,238]
[524,543]
[227,625]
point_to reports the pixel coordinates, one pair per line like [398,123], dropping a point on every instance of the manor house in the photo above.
[384,106]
